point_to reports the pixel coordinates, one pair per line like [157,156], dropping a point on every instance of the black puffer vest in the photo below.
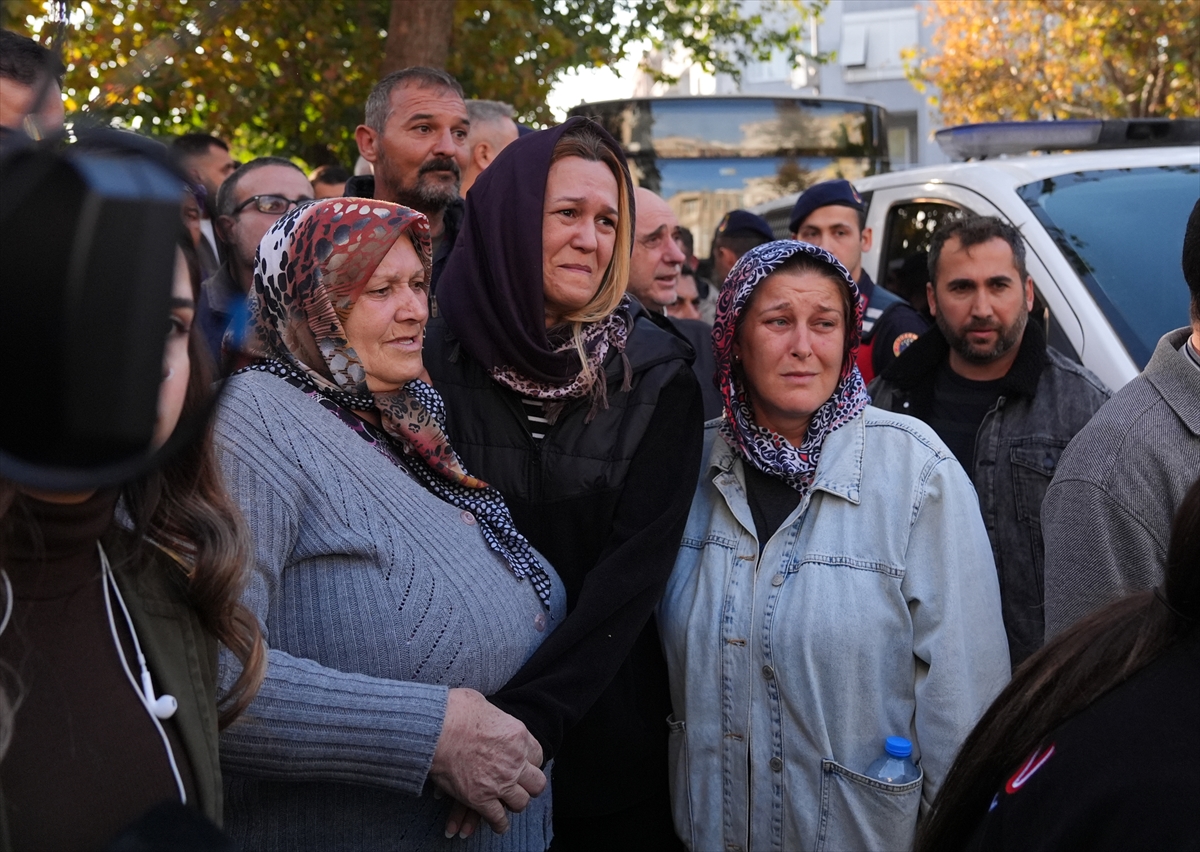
[575,457]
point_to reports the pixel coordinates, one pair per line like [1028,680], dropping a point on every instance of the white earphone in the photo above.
[164,706]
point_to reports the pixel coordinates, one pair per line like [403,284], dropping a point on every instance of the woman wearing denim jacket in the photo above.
[835,585]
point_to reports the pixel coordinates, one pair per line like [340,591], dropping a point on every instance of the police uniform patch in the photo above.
[902,342]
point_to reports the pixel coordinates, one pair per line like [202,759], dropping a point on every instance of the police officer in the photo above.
[832,215]
[739,231]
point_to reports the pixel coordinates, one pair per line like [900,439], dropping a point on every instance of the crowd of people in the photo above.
[518,526]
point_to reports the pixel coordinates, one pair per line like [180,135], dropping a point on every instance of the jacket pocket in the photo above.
[680,781]
[860,813]
[1034,461]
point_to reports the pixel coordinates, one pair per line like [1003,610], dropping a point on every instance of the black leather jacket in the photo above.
[1045,400]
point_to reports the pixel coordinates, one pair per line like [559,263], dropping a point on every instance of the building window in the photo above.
[872,41]
[902,139]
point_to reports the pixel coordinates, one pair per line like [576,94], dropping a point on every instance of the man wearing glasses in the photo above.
[249,202]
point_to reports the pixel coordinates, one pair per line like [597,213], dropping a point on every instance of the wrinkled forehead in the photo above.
[653,213]
[414,98]
[992,258]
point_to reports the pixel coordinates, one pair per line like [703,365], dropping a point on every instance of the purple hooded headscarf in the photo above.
[491,289]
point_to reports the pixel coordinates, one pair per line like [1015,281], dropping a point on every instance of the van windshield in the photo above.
[1122,230]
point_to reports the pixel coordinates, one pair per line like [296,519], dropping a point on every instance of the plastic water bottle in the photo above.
[895,765]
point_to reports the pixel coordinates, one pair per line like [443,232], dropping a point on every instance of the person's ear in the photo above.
[224,227]
[1029,294]
[931,295]
[866,239]
[365,138]
[482,155]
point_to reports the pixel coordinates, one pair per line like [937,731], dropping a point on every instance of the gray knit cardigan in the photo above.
[375,597]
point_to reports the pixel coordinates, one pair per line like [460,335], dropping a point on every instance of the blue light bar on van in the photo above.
[1019,137]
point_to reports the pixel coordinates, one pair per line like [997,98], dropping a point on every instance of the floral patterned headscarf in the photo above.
[769,451]
[312,266]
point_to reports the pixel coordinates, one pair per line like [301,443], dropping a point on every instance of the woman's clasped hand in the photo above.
[394,586]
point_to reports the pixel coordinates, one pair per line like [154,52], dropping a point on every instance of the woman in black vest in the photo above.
[587,418]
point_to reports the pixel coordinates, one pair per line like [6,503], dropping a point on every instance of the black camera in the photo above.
[87,248]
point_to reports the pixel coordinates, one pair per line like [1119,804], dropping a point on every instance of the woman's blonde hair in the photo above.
[586,142]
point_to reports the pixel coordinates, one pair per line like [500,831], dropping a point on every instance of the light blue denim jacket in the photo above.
[873,611]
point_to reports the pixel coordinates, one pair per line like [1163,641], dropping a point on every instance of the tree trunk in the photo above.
[418,34]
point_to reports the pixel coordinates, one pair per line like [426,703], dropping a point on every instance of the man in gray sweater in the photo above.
[1107,515]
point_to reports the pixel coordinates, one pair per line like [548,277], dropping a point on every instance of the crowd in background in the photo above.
[519,526]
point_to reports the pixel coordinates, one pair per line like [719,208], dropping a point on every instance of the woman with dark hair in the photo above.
[1095,744]
[116,600]
[394,590]
[586,417]
[835,586]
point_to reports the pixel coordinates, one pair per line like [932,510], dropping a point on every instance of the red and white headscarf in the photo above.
[314,264]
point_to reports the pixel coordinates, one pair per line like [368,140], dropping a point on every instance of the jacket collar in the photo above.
[839,471]
[222,291]
[1176,380]
[917,366]
[866,287]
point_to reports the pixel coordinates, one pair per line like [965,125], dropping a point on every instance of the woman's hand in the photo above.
[462,821]
[486,760]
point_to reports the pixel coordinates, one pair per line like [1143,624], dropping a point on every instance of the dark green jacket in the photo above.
[181,656]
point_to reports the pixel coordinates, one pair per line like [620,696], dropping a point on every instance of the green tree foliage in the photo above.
[290,77]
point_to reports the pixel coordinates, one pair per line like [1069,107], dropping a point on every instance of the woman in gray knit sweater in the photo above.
[393,589]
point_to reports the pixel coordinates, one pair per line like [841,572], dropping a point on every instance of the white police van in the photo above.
[1104,223]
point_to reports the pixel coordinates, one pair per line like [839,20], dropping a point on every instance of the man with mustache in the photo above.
[415,135]
[1005,403]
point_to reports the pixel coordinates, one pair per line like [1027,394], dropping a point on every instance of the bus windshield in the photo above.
[709,155]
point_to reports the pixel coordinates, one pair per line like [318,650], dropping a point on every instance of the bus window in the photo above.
[709,155]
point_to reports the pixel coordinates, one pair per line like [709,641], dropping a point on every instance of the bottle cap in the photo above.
[897,746]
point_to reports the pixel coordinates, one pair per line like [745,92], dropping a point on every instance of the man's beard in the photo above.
[1007,339]
[424,196]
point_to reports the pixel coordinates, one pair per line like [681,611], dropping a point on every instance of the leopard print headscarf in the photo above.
[312,266]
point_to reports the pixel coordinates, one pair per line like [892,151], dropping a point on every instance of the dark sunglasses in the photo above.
[276,205]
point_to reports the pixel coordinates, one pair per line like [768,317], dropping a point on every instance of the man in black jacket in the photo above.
[654,272]
[415,136]
[1005,403]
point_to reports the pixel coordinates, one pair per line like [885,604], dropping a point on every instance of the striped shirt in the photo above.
[535,417]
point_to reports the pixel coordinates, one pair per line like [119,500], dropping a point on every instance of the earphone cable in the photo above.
[110,581]
[8,600]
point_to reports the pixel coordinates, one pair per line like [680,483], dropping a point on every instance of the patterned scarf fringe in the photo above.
[482,501]
[599,338]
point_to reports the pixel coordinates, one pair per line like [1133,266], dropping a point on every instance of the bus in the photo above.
[708,155]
